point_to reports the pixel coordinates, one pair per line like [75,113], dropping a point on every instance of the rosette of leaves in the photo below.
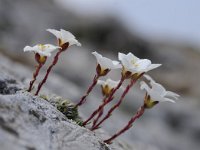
[65,106]
[69,110]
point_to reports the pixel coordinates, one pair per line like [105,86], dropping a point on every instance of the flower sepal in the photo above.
[104,65]
[63,46]
[108,86]
[126,74]
[100,71]
[40,59]
[106,90]
[135,76]
[149,103]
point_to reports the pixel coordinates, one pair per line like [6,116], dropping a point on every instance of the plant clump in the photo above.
[131,69]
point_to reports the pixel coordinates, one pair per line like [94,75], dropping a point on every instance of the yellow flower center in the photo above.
[133,61]
[42,47]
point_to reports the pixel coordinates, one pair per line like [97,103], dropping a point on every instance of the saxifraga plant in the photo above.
[41,53]
[65,39]
[104,66]
[132,69]
[155,93]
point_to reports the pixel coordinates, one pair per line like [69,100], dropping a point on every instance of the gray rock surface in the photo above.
[26,119]
[167,127]
[24,22]
[30,122]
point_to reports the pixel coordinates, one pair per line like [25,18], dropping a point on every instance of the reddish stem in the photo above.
[109,99]
[83,98]
[139,113]
[35,74]
[133,81]
[48,71]
[99,115]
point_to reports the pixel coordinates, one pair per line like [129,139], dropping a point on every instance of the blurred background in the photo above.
[166,32]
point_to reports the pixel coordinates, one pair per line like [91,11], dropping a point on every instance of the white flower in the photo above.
[42,50]
[108,86]
[64,37]
[133,64]
[106,63]
[110,83]
[157,92]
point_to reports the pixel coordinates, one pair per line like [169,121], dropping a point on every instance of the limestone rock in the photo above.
[29,122]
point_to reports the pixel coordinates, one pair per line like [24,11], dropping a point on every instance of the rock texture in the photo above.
[29,122]
[160,128]
[167,127]
[26,21]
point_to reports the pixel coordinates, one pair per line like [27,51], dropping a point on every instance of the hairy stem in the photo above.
[133,81]
[100,113]
[35,74]
[139,113]
[109,99]
[83,98]
[48,71]
[98,117]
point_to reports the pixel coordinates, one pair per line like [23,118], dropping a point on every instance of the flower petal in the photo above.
[55,32]
[157,92]
[132,58]
[158,88]
[142,65]
[172,94]
[28,48]
[134,64]
[106,63]
[110,83]
[169,100]
[69,37]
[65,36]
[144,86]
[101,82]
[153,66]
[121,56]
[50,47]
[148,77]
[43,50]
[124,61]
[97,55]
